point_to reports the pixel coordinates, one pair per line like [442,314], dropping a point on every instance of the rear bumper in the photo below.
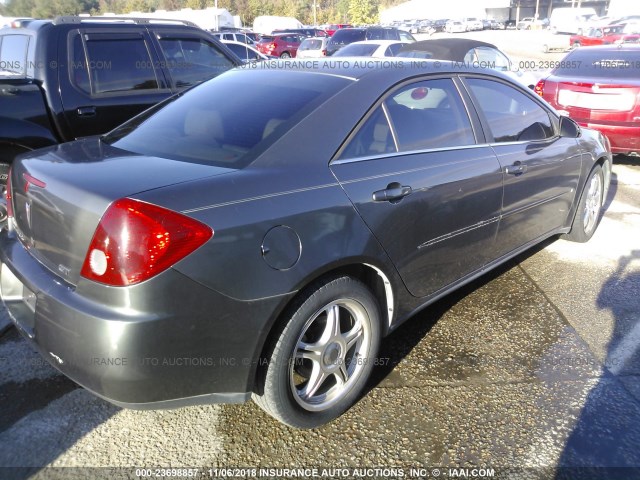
[164,343]
[624,139]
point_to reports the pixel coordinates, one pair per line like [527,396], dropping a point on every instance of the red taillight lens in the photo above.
[7,196]
[324,52]
[539,88]
[136,240]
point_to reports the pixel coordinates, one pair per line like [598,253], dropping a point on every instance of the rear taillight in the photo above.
[539,88]
[135,241]
[7,196]
[324,52]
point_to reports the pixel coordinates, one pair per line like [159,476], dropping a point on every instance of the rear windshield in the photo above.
[229,120]
[311,44]
[356,51]
[347,35]
[600,63]
[13,53]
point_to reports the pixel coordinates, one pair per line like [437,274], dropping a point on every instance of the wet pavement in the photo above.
[535,365]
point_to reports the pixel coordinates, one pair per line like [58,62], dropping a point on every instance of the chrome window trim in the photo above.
[408,152]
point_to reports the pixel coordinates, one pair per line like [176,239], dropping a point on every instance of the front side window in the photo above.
[193,60]
[512,115]
[421,116]
[120,65]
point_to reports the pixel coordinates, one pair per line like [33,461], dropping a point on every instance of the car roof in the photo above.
[377,42]
[453,49]
[388,70]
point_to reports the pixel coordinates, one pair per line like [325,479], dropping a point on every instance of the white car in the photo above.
[313,47]
[371,48]
[234,37]
[454,26]
[245,52]
[472,24]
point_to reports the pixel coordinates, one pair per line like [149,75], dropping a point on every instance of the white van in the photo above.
[266,24]
[570,20]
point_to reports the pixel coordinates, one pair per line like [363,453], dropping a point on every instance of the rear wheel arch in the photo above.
[373,277]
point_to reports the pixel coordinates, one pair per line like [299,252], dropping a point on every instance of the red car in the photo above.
[284,45]
[599,87]
[606,35]
[331,29]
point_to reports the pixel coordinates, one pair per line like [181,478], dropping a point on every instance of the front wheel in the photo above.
[323,356]
[588,214]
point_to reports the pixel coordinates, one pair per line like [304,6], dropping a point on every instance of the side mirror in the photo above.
[569,128]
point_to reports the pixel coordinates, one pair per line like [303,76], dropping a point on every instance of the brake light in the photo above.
[7,196]
[324,52]
[539,88]
[135,241]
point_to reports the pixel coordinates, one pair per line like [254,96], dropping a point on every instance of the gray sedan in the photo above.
[236,243]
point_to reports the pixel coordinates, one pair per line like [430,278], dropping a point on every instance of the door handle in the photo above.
[516,169]
[394,191]
[86,111]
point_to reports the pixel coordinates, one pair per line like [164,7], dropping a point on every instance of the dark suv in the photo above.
[346,36]
[74,77]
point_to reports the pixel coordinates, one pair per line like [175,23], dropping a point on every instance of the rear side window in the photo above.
[512,116]
[193,60]
[429,114]
[600,63]
[243,52]
[120,65]
[13,53]
[421,116]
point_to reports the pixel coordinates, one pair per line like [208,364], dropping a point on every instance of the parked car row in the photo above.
[606,35]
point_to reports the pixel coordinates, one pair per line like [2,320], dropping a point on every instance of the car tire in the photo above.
[285,55]
[320,360]
[576,45]
[589,209]
[4,173]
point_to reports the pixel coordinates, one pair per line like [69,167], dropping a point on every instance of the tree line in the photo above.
[327,11]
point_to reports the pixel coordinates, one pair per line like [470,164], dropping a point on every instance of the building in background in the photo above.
[503,10]
[207,18]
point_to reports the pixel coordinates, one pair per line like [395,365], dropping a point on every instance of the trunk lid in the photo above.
[60,194]
[597,100]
